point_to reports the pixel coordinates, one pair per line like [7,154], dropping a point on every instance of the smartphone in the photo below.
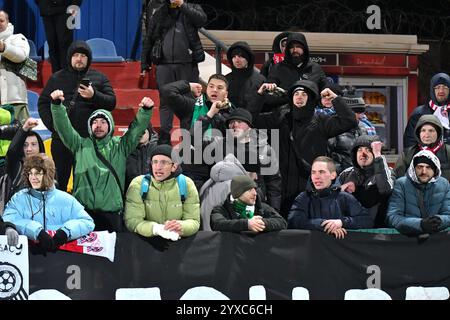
[85,82]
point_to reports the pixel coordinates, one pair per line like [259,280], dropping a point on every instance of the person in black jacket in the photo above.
[324,207]
[303,136]
[176,24]
[243,80]
[278,48]
[370,179]
[80,101]
[295,66]
[26,143]
[55,15]
[243,211]
[138,162]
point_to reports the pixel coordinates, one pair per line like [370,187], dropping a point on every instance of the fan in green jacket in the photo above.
[94,184]
[162,212]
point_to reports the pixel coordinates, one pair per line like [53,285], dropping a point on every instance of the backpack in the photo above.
[181,181]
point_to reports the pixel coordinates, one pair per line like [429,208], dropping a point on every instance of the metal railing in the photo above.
[220,46]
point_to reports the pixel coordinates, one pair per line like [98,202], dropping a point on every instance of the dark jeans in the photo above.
[63,158]
[167,73]
[59,38]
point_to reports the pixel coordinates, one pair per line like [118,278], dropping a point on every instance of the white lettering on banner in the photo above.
[14,270]
[434,293]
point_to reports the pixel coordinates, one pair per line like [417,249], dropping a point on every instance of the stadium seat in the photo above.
[103,50]
[33,52]
[46,55]
[33,98]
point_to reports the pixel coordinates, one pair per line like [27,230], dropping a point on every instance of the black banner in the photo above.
[232,263]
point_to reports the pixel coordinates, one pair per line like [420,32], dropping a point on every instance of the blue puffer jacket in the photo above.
[404,213]
[27,209]
[311,208]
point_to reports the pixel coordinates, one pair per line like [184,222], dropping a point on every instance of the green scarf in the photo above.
[245,211]
[200,109]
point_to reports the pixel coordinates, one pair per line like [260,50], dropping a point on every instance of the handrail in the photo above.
[220,45]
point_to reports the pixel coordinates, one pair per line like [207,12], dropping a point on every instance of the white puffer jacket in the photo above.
[12,88]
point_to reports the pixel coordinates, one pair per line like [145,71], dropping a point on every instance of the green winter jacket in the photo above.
[94,185]
[163,203]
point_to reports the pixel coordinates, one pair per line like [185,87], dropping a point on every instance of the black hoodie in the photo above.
[68,80]
[303,136]
[276,48]
[285,73]
[243,84]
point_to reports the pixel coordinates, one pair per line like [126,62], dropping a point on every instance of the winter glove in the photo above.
[431,224]
[158,230]
[59,238]
[12,236]
[46,241]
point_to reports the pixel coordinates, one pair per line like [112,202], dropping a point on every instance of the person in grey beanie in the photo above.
[243,210]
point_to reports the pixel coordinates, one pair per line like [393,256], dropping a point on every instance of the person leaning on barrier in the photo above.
[420,202]
[161,211]
[244,211]
[41,207]
[324,207]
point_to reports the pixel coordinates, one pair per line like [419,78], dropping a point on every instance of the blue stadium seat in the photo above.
[46,55]
[103,50]
[33,51]
[33,98]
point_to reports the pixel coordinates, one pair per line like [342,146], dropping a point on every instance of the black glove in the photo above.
[59,238]
[431,224]
[46,241]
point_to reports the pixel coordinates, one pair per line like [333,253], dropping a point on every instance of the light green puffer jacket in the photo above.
[163,203]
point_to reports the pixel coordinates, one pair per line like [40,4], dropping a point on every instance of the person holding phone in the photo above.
[85,90]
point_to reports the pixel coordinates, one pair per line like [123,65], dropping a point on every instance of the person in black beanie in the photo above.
[244,80]
[250,146]
[420,202]
[243,210]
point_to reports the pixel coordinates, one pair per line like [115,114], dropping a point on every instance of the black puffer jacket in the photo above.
[68,80]
[243,84]
[53,7]
[178,28]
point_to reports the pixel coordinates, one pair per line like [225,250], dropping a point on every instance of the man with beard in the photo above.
[438,105]
[420,202]
[99,174]
[252,150]
[295,66]
[81,100]
[370,180]
[429,136]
